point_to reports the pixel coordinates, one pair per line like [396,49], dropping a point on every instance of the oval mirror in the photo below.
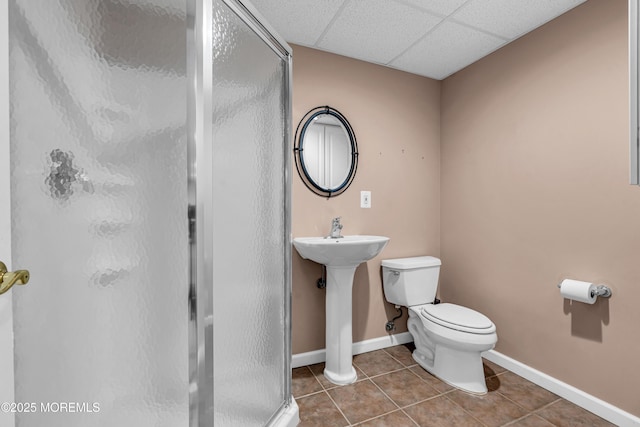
[326,152]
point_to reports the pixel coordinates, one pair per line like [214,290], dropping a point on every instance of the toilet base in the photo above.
[458,364]
[466,373]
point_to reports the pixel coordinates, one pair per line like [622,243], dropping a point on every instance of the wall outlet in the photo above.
[365,199]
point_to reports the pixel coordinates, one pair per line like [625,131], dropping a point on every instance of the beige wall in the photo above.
[532,143]
[396,119]
[535,189]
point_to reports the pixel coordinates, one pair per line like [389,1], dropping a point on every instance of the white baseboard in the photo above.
[319,356]
[591,403]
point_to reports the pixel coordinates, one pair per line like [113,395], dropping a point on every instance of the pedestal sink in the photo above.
[341,257]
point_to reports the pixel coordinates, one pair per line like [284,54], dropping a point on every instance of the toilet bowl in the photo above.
[450,346]
[449,338]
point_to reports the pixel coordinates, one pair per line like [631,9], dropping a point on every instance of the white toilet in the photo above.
[448,338]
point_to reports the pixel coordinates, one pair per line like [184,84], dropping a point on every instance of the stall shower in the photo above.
[150,202]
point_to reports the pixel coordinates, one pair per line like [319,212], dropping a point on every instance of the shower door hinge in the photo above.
[191,214]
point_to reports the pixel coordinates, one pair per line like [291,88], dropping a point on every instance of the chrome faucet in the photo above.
[336,229]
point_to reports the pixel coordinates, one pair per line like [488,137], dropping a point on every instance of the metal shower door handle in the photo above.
[8,278]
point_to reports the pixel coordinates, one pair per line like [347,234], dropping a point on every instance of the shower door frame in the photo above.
[200,158]
[6,309]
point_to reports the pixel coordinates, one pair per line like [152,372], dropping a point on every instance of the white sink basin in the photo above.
[343,252]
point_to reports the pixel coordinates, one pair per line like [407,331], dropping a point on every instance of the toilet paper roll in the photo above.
[578,291]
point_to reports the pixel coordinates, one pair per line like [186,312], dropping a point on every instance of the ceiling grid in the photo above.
[431,38]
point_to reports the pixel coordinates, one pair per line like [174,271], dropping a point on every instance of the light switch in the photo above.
[365,199]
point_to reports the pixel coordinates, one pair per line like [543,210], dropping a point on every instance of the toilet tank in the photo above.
[410,281]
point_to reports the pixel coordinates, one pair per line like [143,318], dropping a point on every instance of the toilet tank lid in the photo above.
[411,263]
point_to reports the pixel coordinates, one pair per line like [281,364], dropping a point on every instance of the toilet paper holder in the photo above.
[600,291]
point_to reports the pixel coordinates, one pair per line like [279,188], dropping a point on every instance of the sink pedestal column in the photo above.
[339,338]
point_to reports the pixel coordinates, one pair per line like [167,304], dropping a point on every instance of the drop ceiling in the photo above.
[432,38]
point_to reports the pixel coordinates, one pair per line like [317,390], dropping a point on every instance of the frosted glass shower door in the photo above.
[250,128]
[99,213]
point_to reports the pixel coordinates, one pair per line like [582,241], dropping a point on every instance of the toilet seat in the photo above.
[458,318]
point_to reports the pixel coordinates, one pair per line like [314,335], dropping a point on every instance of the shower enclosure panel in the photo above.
[99,212]
[243,130]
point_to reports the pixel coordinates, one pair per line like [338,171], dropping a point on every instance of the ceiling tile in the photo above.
[446,50]
[442,7]
[376,30]
[384,31]
[511,18]
[300,21]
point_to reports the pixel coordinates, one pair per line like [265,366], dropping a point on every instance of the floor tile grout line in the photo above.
[376,385]
[324,388]
[441,394]
[398,407]
[397,360]
[384,415]
[385,394]
[528,411]
[409,416]
[494,375]
[521,406]
[534,412]
[548,404]
[420,378]
[401,408]
[430,385]
[338,408]
[393,401]
[512,422]
[446,394]
[333,386]
[360,369]
[316,378]
[317,381]
[545,407]
[387,373]
[512,401]
[308,394]
[464,409]
[424,380]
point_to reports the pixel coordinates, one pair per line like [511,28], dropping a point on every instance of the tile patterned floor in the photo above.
[392,390]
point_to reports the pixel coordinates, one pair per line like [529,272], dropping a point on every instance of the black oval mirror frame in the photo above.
[303,167]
